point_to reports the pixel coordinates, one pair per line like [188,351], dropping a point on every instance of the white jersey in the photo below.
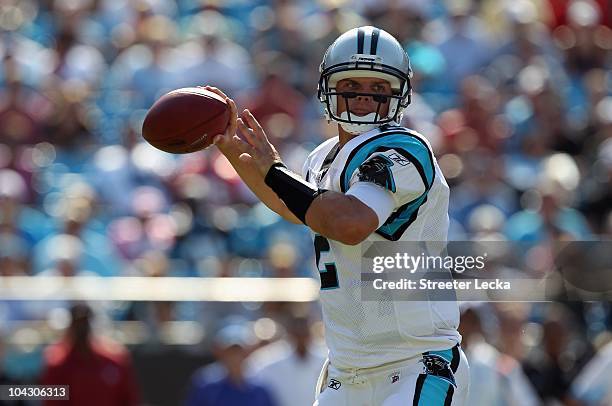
[364,334]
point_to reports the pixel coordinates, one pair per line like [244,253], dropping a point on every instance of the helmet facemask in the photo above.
[364,66]
[365,52]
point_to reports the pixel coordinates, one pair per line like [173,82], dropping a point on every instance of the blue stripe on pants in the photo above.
[446,354]
[433,392]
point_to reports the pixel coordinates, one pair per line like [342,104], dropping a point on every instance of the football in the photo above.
[185,120]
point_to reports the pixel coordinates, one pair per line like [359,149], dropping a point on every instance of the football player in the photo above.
[375,181]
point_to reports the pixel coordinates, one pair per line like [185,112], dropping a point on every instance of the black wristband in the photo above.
[294,191]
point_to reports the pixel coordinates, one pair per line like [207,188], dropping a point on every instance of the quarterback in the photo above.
[375,181]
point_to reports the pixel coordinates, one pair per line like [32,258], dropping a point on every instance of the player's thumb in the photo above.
[220,140]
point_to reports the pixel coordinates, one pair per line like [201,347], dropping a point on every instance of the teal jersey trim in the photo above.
[399,221]
[412,148]
[404,142]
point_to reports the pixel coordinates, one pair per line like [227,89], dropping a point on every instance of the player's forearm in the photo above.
[255,181]
[334,215]
[341,218]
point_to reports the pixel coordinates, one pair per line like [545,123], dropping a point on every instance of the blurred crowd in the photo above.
[514,95]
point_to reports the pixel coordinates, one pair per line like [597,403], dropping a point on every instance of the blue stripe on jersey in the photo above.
[397,223]
[404,141]
[413,148]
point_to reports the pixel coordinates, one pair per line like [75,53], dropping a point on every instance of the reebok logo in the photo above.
[395,157]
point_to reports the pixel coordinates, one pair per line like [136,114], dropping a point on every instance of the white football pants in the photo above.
[437,378]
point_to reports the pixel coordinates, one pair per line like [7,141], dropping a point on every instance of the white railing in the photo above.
[158,289]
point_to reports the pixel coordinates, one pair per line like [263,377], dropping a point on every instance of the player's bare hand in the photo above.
[225,142]
[257,148]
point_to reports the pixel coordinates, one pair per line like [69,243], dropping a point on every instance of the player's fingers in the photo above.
[241,144]
[254,124]
[247,133]
[216,90]
[232,125]
[222,140]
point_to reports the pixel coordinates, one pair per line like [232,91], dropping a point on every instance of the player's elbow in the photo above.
[353,239]
[352,231]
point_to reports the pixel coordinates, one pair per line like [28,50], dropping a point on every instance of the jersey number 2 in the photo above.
[329,274]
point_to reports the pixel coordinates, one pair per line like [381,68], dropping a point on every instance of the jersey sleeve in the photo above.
[399,164]
[306,168]
[378,199]
[397,172]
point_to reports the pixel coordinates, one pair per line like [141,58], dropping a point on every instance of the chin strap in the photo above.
[356,129]
[295,192]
